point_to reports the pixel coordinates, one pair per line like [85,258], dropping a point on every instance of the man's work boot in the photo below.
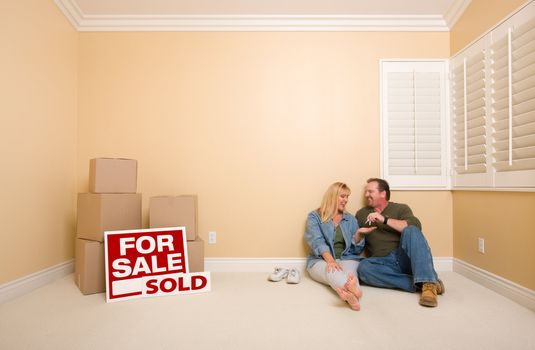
[429,295]
[440,287]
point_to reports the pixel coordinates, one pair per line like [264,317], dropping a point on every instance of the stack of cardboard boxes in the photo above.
[172,211]
[113,204]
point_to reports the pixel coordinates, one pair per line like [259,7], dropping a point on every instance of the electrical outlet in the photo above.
[212,237]
[481,245]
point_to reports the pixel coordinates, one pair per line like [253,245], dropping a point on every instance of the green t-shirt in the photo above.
[384,238]
[339,243]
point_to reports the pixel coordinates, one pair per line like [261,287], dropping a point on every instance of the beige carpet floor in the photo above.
[245,311]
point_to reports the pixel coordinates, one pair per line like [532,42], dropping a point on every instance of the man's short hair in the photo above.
[382,185]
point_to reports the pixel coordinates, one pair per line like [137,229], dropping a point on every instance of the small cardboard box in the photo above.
[172,211]
[107,212]
[89,273]
[112,175]
[196,255]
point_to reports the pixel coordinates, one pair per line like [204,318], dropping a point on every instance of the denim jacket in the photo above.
[320,238]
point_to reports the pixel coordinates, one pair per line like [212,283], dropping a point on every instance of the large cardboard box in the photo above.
[196,255]
[89,273]
[172,211]
[112,175]
[106,212]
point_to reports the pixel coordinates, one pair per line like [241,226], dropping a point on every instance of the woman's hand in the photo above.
[333,266]
[362,231]
[366,230]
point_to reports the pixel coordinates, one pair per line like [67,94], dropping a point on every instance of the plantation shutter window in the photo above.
[413,123]
[493,107]
[469,120]
[513,105]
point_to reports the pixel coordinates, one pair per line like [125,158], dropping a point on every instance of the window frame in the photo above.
[416,182]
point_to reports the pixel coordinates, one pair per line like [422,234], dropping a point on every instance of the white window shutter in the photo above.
[513,102]
[493,107]
[413,123]
[469,120]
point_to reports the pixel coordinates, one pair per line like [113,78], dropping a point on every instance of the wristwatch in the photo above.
[385,221]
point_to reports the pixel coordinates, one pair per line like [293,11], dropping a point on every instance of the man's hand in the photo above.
[398,225]
[374,218]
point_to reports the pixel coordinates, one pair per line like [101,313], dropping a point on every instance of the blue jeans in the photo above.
[405,266]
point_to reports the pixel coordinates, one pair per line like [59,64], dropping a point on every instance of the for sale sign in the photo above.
[151,262]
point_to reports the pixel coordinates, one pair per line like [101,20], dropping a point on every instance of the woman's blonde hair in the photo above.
[329,204]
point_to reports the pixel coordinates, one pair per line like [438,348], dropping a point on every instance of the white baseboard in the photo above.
[509,289]
[268,264]
[443,264]
[252,264]
[28,283]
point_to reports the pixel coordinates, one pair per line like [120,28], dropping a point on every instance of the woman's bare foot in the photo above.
[352,286]
[349,297]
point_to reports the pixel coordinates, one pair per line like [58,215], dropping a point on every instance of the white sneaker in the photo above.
[279,274]
[293,277]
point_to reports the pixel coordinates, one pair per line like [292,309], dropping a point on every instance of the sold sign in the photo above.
[152,262]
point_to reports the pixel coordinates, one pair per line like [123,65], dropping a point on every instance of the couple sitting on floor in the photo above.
[398,255]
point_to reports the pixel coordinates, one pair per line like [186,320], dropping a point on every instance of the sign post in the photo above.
[151,262]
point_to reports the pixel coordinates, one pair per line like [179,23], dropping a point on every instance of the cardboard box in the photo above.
[112,175]
[172,211]
[89,273]
[106,212]
[196,255]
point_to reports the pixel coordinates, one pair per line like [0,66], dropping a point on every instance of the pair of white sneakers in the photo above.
[292,275]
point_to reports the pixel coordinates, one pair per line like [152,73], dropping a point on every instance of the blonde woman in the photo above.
[335,245]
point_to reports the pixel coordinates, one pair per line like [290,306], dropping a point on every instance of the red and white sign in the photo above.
[151,262]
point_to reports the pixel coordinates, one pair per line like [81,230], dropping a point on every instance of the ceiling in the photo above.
[263,15]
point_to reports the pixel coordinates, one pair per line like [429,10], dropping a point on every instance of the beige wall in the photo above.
[504,219]
[37,137]
[257,124]
[434,209]
[480,16]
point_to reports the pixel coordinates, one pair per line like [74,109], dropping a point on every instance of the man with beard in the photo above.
[398,254]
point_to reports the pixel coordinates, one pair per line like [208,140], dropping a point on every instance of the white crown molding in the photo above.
[455,12]
[71,10]
[244,23]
